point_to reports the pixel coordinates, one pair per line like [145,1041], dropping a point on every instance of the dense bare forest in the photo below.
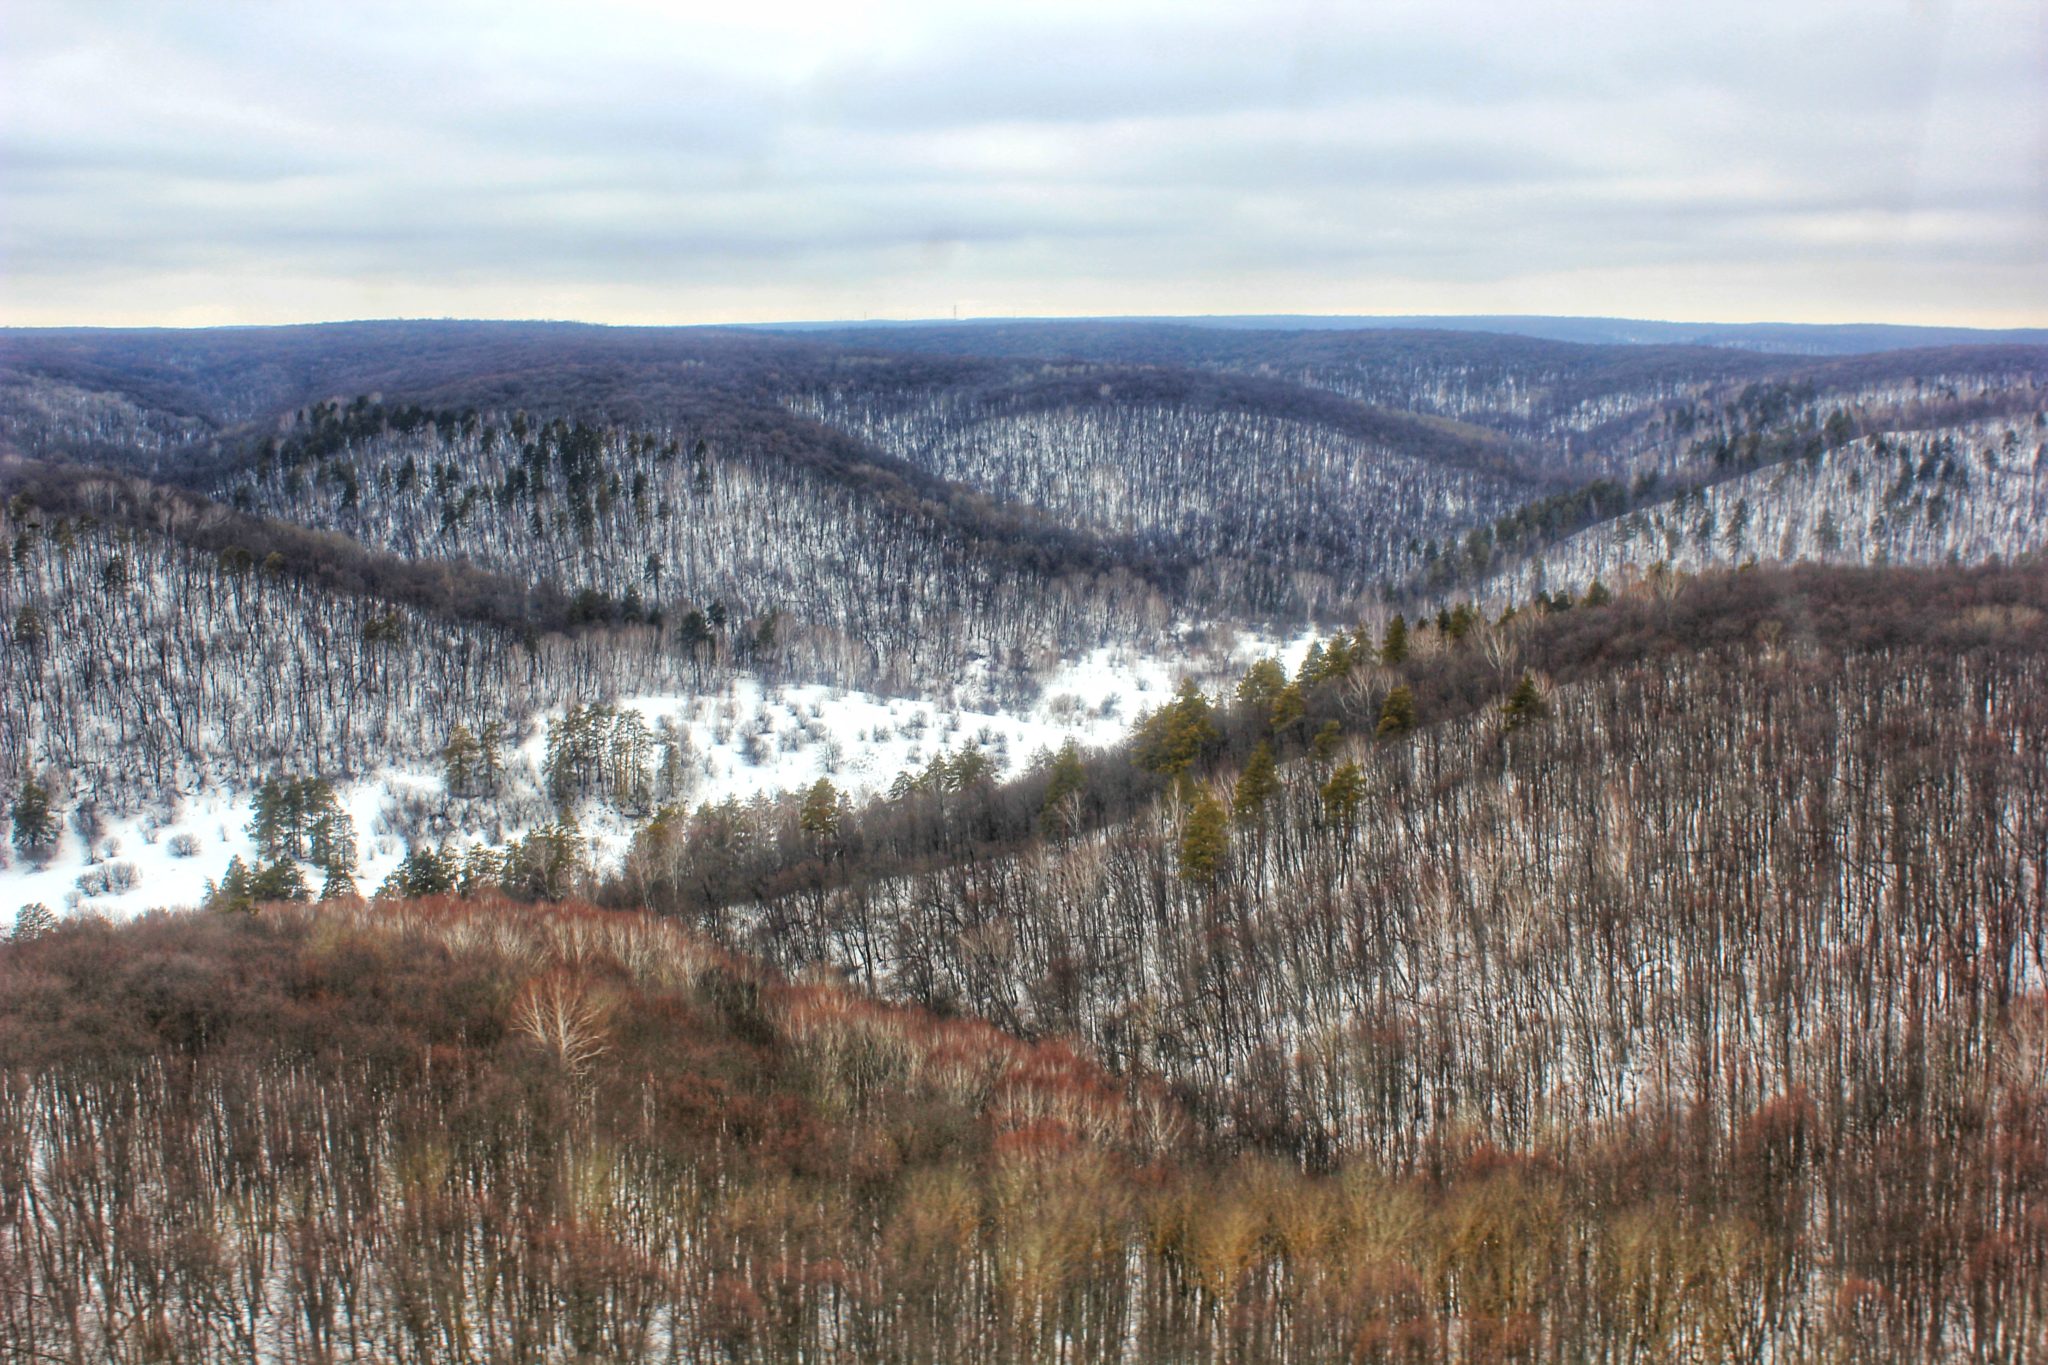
[139,668]
[1290,508]
[1622,935]
[1653,979]
[735,547]
[1970,493]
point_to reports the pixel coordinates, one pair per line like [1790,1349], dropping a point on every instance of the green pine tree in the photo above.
[36,827]
[1525,704]
[231,892]
[1324,745]
[819,816]
[1342,796]
[1337,658]
[549,862]
[1255,787]
[483,867]
[330,835]
[1204,840]
[424,871]
[1290,708]
[459,758]
[969,768]
[1172,739]
[490,756]
[1262,684]
[1394,644]
[1397,713]
[281,881]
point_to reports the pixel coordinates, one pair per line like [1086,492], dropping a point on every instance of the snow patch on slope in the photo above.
[746,742]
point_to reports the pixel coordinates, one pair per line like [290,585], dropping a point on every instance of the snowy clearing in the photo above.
[746,742]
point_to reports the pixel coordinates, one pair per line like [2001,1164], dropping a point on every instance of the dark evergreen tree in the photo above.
[1172,739]
[1324,745]
[281,881]
[1255,787]
[1290,708]
[459,761]
[1394,644]
[1262,684]
[1204,839]
[821,812]
[36,826]
[1524,705]
[424,871]
[1342,795]
[1397,713]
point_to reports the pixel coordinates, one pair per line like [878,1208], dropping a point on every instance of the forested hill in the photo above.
[1655,978]
[1738,880]
[1455,671]
[328,553]
[1267,472]
[1805,339]
[1226,846]
[201,413]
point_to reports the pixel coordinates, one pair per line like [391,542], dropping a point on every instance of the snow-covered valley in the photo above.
[746,743]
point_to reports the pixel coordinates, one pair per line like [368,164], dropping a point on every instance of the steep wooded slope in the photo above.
[1753,860]
[838,568]
[1286,501]
[1970,494]
[476,1130]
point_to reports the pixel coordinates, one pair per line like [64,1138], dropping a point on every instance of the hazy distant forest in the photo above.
[1622,937]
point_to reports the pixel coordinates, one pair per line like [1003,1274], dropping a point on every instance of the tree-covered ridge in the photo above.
[1488,378]
[1216,465]
[1448,667]
[482,1131]
[144,669]
[1580,401]
[1288,507]
[1572,957]
[1746,872]
[730,549]
[135,665]
[1778,472]
[1970,493]
[476,1131]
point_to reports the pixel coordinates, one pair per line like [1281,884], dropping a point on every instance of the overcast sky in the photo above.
[1801,160]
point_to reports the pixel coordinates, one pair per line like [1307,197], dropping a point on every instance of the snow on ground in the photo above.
[154,851]
[1848,506]
[744,742]
[158,860]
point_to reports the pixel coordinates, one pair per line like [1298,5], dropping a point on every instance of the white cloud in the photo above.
[649,162]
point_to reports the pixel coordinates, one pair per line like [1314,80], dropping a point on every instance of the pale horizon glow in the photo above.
[645,163]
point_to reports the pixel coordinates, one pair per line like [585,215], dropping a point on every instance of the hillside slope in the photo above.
[838,558]
[169,656]
[1753,860]
[444,1130]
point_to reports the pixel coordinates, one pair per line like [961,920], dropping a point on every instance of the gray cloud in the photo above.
[636,161]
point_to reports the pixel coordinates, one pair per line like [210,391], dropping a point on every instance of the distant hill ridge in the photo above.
[1786,338]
